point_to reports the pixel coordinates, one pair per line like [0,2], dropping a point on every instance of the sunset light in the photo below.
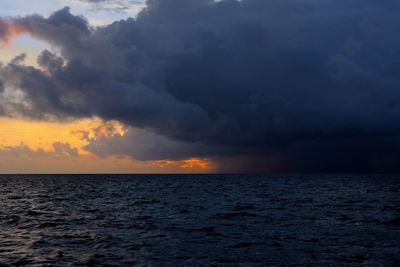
[199,133]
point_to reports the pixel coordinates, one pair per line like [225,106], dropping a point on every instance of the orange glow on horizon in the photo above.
[39,137]
[192,163]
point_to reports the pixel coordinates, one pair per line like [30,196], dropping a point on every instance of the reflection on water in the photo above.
[199,220]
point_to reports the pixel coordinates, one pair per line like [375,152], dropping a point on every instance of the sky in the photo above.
[30,145]
[121,86]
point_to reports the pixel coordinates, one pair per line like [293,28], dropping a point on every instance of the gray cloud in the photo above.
[22,150]
[144,145]
[271,79]
[114,5]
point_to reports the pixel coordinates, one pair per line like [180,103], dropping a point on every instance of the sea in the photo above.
[200,220]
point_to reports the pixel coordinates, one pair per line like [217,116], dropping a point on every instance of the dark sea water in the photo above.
[199,220]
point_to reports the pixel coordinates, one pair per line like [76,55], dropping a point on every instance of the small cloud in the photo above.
[64,149]
[100,130]
[114,5]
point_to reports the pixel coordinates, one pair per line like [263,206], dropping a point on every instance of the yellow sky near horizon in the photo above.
[38,134]
[92,164]
[42,135]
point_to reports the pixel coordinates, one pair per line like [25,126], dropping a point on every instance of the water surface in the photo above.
[199,220]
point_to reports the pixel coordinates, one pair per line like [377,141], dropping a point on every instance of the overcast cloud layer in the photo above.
[282,85]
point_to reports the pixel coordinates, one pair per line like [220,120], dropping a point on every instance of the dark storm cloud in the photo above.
[272,79]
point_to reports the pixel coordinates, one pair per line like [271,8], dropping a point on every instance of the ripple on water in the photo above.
[208,220]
